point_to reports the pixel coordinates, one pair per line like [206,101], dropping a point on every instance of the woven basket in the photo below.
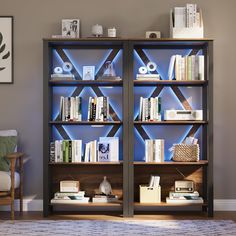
[185,153]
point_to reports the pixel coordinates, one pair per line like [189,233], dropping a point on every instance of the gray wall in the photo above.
[22,103]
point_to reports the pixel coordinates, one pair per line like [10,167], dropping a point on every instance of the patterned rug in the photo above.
[120,227]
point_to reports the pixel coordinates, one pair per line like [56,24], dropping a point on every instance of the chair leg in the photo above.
[13,162]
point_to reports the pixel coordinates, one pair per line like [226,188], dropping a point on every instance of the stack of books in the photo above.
[98,109]
[154,150]
[70,108]
[186,67]
[184,198]
[102,198]
[148,77]
[66,151]
[150,109]
[69,198]
[59,77]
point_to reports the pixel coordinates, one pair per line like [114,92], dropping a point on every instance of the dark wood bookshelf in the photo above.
[165,204]
[76,82]
[85,122]
[126,176]
[92,204]
[170,122]
[190,83]
[200,163]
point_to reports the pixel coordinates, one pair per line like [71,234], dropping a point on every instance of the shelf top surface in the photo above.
[201,162]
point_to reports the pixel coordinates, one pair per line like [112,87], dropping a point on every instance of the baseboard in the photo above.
[37,205]
[225,205]
[28,205]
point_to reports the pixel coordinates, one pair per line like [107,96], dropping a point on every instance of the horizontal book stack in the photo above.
[67,151]
[150,109]
[70,108]
[69,198]
[148,77]
[101,198]
[154,150]
[186,67]
[98,109]
[184,198]
[105,150]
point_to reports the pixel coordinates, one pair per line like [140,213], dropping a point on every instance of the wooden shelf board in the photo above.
[202,162]
[170,83]
[107,83]
[85,163]
[165,204]
[170,122]
[90,204]
[85,122]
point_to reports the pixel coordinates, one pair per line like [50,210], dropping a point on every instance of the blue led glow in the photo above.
[73,63]
[98,67]
[58,56]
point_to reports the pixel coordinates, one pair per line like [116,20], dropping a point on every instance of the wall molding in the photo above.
[37,205]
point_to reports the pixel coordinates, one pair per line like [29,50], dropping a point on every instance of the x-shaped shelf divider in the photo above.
[158,90]
[96,90]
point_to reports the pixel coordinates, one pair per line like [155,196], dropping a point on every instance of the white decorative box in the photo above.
[150,194]
[192,32]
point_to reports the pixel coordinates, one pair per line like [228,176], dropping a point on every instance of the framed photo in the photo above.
[88,72]
[6,49]
[71,28]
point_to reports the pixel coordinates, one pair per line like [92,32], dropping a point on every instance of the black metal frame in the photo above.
[128,84]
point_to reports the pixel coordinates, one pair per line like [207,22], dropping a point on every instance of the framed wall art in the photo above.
[6,49]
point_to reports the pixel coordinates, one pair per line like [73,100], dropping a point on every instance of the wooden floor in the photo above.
[165,216]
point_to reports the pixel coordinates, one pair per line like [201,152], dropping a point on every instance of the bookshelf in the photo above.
[126,175]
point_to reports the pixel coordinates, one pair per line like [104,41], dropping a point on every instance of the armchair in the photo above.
[11,183]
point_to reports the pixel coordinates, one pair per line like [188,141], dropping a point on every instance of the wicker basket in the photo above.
[185,153]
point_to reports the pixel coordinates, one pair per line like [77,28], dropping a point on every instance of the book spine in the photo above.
[201,67]
[71,108]
[193,67]
[66,151]
[151,109]
[189,68]
[140,108]
[52,152]
[108,108]
[105,108]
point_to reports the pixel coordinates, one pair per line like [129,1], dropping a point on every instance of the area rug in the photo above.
[118,227]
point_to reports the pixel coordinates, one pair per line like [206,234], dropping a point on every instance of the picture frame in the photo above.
[6,50]
[70,28]
[88,72]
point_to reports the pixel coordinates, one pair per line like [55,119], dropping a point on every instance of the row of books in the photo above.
[70,108]
[69,151]
[106,150]
[154,150]
[150,109]
[184,198]
[98,109]
[79,197]
[186,67]
[188,16]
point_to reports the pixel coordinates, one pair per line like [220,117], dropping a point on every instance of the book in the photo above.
[62,195]
[69,201]
[180,17]
[185,200]
[104,199]
[113,147]
[176,195]
[104,152]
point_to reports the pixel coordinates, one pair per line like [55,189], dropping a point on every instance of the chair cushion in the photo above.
[7,145]
[5,183]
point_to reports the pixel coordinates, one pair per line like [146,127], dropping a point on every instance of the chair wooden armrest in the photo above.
[14,155]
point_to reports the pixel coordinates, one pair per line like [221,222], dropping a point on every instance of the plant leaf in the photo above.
[0,38]
[6,55]
[3,48]
[2,68]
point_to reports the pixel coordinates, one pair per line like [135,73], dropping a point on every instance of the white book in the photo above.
[69,201]
[144,109]
[152,109]
[94,151]
[114,147]
[78,150]
[177,67]
[140,108]
[193,67]
[148,76]
[72,105]
[180,17]
[174,194]
[190,14]
[62,117]
[156,181]
[171,67]
[201,67]
[151,181]
[183,200]
[61,151]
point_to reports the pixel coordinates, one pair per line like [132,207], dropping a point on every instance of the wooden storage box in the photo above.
[150,194]
[187,33]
